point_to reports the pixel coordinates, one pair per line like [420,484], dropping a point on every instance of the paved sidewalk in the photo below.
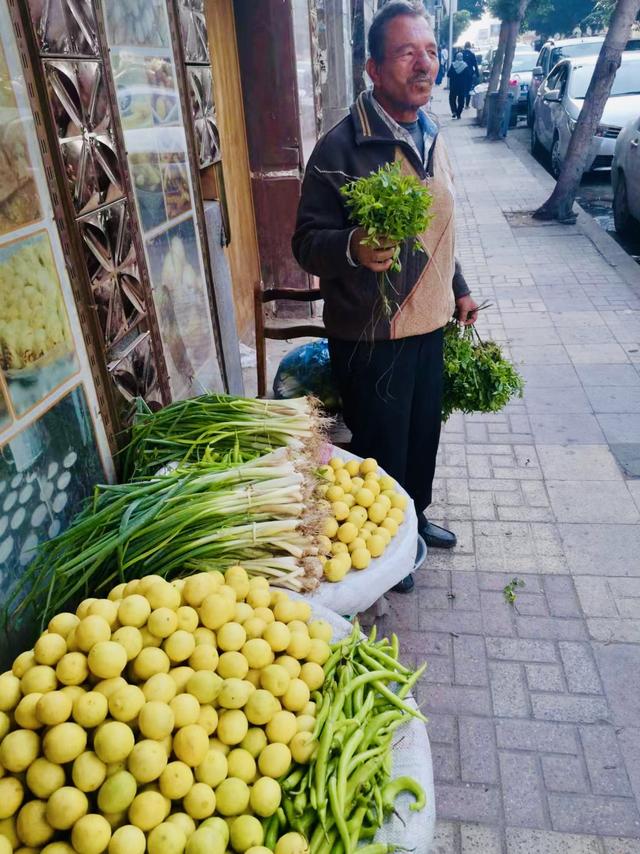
[535,708]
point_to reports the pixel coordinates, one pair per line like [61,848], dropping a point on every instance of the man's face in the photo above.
[406,75]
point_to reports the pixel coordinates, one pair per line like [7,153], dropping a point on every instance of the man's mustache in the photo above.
[421,78]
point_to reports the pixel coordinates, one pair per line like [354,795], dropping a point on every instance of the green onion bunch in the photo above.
[477,376]
[213,425]
[201,516]
[346,792]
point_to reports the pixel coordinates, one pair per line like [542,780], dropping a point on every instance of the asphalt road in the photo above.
[595,196]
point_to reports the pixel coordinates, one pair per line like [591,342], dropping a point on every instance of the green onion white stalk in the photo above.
[213,425]
[205,515]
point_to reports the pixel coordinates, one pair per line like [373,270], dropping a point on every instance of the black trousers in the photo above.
[392,403]
[456,102]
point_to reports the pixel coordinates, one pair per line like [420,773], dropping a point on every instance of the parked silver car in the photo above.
[625,179]
[559,101]
[552,52]
[522,72]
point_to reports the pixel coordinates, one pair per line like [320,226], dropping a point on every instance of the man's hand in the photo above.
[466,310]
[376,258]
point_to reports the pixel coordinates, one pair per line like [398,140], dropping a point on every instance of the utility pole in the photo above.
[453,8]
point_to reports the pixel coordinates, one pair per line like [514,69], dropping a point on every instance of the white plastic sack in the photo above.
[411,758]
[359,589]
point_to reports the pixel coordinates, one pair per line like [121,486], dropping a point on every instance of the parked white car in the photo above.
[524,62]
[560,99]
[554,50]
[625,179]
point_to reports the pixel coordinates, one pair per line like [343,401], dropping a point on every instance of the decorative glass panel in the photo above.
[204,114]
[194,30]
[46,471]
[37,352]
[134,373]
[147,93]
[182,306]
[19,202]
[65,26]
[159,171]
[80,107]
[113,270]
[5,415]
[141,23]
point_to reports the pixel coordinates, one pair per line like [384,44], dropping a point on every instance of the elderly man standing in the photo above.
[388,369]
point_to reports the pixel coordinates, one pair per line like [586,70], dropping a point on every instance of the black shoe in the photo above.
[435,536]
[405,586]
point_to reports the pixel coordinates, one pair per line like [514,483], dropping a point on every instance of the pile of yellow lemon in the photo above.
[160,719]
[365,510]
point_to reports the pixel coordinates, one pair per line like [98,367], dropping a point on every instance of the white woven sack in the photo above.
[411,757]
[359,589]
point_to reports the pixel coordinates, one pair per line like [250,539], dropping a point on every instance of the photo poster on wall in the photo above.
[149,106]
[53,446]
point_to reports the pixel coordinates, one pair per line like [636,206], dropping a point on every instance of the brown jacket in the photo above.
[428,283]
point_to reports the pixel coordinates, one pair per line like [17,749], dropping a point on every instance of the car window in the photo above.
[626,82]
[542,58]
[552,80]
[580,49]
[562,79]
[524,62]
[555,56]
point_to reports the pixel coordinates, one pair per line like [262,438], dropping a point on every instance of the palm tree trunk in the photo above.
[494,76]
[560,204]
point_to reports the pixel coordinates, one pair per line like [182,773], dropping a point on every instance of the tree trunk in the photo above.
[494,119]
[494,76]
[359,52]
[560,204]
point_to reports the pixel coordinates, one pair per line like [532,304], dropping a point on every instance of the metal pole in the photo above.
[453,8]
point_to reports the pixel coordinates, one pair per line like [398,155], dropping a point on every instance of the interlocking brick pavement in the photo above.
[535,707]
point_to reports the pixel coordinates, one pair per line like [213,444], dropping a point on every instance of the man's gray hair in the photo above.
[413,8]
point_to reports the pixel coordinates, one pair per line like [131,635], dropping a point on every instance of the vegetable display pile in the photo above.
[214,425]
[346,792]
[206,715]
[160,719]
[393,206]
[477,377]
[365,512]
[200,516]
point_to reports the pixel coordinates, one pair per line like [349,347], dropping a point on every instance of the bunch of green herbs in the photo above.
[389,206]
[477,376]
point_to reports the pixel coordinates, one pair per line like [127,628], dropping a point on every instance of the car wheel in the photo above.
[536,147]
[622,218]
[556,159]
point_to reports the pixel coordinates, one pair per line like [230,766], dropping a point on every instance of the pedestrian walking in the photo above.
[388,370]
[459,75]
[469,56]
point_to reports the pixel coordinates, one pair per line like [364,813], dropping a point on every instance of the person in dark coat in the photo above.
[459,75]
[472,61]
[388,367]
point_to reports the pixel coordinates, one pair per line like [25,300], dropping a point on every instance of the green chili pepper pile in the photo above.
[345,793]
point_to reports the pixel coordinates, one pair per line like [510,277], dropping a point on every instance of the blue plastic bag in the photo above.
[307,370]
